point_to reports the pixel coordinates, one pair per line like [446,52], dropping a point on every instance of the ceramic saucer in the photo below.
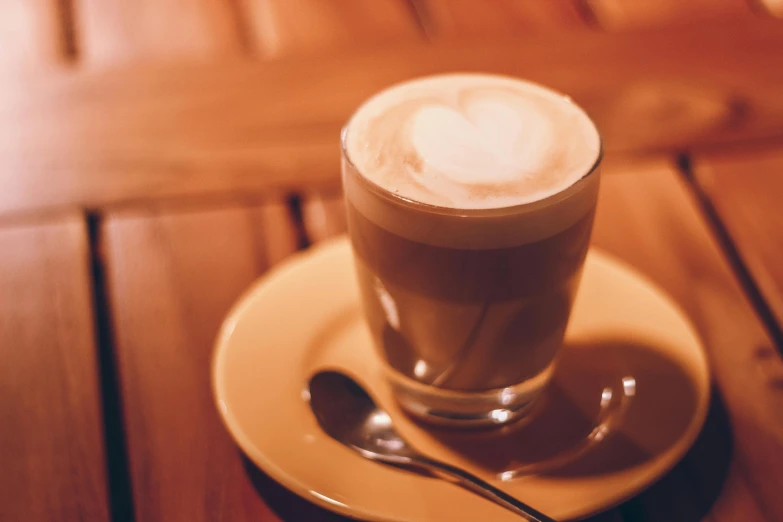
[628,399]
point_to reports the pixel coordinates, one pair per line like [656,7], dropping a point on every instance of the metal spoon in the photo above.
[350,416]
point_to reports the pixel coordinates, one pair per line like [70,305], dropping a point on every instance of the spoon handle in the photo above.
[480,487]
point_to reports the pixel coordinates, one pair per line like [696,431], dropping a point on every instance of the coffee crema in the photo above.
[472,141]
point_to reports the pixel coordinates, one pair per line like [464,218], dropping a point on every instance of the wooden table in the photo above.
[156,156]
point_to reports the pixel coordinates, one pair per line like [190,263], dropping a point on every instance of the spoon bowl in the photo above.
[347,413]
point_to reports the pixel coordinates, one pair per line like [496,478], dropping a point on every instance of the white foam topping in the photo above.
[471,141]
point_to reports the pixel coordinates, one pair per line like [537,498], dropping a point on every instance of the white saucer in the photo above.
[304,316]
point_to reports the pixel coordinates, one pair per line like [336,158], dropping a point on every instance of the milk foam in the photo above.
[471,141]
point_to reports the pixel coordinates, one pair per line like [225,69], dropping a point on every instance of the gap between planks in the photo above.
[731,253]
[117,464]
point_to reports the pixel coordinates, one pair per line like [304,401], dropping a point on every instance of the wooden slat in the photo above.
[114,31]
[647,217]
[631,14]
[51,445]
[172,277]
[290,27]
[284,27]
[468,18]
[30,33]
[101,138]
[746,190]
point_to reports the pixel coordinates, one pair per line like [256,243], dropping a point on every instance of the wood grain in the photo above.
[284,27]
[173,274]
[103,138]
[632,14]
[116,31]
[746,191]
[468,18]
[30,33]
[649,219]
[51,445]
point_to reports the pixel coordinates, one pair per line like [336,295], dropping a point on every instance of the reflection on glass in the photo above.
[629,386]
[507,396]
[500,416]
[388,305]
[613,407]
[420,369]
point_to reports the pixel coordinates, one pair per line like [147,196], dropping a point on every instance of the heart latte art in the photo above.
[471,141]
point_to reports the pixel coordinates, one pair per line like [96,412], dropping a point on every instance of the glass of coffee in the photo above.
[470,201]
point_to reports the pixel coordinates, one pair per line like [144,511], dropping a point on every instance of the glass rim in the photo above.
[472,212]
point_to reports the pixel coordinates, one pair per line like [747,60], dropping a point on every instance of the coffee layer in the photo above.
[471,229]
[467,319]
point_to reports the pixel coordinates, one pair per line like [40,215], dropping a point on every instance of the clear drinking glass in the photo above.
[467,308]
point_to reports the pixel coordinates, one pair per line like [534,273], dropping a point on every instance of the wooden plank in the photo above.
[632,14]
[173,274]
[112,31]
[468,18]
[746,191]
[51,442]
[647,217]
[284,27]
[30,33]
[650,219]
[103,138]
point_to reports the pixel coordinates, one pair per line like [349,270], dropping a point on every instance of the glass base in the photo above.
[467,409]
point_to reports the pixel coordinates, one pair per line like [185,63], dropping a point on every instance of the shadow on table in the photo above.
[612,405]
[688,492]
[288,506]
[663,406]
